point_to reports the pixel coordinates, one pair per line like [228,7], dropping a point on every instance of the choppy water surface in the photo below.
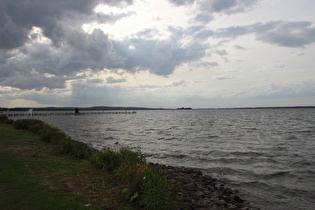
[268,155]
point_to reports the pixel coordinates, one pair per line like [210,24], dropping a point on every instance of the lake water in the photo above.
[266,154]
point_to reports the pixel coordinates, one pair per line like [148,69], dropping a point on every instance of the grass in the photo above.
[42,168]
[33,175]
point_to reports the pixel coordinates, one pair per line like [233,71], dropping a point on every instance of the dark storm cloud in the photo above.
[81,51]
[18,17]
[68,50]
[25,62]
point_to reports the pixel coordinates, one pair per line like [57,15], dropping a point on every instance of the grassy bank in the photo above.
[42,168]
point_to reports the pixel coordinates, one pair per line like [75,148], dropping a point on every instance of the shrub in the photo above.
[9,121]
[25,124]
[3,118]
[6,120]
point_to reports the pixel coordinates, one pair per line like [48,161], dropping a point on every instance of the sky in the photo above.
[157,53]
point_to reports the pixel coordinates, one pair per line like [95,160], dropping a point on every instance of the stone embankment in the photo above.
[198,191]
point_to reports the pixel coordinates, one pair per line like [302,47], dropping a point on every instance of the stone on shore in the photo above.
[195,190]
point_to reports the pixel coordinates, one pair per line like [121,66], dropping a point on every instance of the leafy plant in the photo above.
[144,183]
[127,194]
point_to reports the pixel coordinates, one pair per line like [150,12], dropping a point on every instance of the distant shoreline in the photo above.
[107,108]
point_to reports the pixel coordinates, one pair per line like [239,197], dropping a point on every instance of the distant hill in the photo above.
[2,109]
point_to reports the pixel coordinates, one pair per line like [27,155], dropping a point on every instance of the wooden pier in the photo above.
[28,114]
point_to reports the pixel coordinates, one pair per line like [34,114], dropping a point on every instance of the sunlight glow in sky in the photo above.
[160,53]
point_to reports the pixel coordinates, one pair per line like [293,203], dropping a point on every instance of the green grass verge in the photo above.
[47,170]
[21,189]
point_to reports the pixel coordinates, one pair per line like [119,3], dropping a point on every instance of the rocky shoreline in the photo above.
[195,190]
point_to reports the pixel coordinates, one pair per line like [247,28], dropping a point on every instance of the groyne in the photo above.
[29,114]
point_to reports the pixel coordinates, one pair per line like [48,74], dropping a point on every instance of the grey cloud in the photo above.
[223,78]
[205,64]
[232,32]
[181,2]
[112,80]
[161,57]
[238,47]
[111,17]
[281,33]
[149,86]
[198,32]
[177,83]
[32,81]
[286,34]
[221,52]
[148,33]
[218,6]
[204,34]
[87,94]
[203,18]
[305,88]
[279,65]
[96,81]
[82,94]
[212,64]
[226,6]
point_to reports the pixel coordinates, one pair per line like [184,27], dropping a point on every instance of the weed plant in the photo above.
[144,184]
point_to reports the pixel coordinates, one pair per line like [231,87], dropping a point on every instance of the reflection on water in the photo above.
[267,154]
